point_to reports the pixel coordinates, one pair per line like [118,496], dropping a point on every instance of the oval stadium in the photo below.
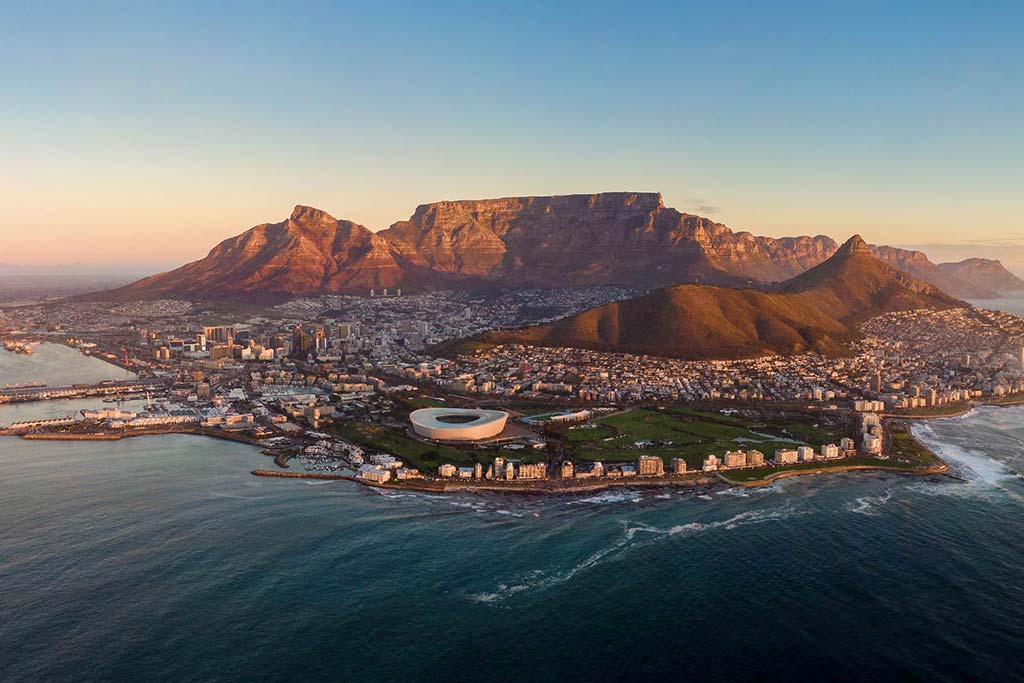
[457,424]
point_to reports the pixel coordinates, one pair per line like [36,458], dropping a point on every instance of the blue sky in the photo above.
[138,132]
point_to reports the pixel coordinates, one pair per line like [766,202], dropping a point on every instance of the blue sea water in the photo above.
[162,559]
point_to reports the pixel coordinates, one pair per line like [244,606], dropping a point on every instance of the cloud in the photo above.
[702,206]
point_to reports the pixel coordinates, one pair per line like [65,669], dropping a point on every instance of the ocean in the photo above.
[163,559]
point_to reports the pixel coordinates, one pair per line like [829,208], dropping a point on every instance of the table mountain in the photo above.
[815,311]
[615,238]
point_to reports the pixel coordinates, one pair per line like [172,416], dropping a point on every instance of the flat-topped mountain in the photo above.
[614,238]
[815,311]
[627,238]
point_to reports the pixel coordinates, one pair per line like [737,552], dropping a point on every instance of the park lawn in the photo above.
[932,411]
[597,433]
[425,402]
[425,456]
[904,445]
[694,435]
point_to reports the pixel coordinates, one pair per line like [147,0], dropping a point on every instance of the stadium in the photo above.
[457,424]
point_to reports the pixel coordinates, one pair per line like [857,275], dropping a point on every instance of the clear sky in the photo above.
[146,132]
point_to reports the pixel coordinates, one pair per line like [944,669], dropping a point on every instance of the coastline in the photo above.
[536,486]
[111,436]
[942,468]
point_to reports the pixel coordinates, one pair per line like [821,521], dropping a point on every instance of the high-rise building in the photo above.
[302,343]
[786,456]
[734,459]
[223,334]
[678,466]
[650,465]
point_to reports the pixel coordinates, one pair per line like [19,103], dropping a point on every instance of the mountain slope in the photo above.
[987,273]
[311,252]
[917,264]
[815,311]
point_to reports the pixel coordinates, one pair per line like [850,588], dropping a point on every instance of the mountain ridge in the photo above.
[816,311]
[614,238]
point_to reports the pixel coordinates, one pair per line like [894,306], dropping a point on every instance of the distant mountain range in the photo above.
[616,238]
[817,310]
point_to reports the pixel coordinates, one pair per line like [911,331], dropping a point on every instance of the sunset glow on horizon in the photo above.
[145,135]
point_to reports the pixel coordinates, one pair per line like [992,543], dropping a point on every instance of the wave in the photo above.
[606,498]
[868,505]
[632,537]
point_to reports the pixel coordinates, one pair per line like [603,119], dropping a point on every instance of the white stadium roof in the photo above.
[458,424]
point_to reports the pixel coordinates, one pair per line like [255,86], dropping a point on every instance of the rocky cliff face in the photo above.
[613,238]
[610,238]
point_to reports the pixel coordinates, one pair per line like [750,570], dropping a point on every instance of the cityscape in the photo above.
[511,342]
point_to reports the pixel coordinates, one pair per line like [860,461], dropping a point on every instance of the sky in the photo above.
[143,133]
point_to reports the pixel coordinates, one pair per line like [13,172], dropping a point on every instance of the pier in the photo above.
[106,388]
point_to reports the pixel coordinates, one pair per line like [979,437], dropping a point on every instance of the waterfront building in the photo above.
[786,456]
[566,470]
[829,451]
[805,453]
[510,471]
[755,458]
[478,471]
[446,470]
[734,459]
[711,463]
[374,473]
[678,466]
[533,471]
[872,444]
[847,444]
[499,467]
[650,465]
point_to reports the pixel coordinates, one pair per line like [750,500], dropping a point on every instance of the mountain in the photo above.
[612,238]
[987,273]
[815,311]
[310,252]
[917,264]
[627,238]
